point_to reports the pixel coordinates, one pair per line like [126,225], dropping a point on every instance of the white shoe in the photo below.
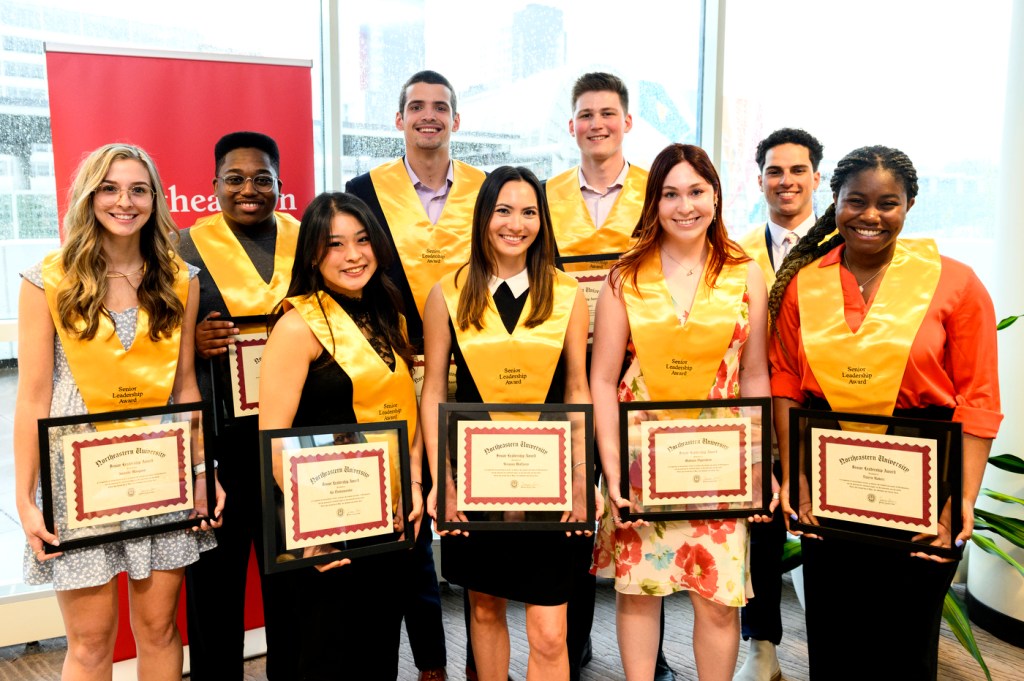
[762,664]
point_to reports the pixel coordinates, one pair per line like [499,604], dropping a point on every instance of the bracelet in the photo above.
[417,482]
[200,468]
[577,465]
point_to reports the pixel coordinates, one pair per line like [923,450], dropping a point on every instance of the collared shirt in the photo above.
[600,201]
[952,359]
[779,237]
[432,199]
[518,283]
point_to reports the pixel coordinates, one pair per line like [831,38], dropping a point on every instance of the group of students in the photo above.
[427,256]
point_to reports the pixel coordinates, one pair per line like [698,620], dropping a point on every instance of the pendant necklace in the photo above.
[861,286]
[690,270]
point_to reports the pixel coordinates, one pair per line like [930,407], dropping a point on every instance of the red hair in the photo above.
[648,230]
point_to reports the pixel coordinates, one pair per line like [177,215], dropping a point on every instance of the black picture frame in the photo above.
[691,504]
[590,286]
[221,381]
[947,462]
[450,415]
[83,427]
[277,556]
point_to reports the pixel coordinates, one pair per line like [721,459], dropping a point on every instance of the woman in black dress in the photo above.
[335,356]
[509,311]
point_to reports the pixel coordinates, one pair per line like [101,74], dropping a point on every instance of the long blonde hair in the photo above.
[80,299]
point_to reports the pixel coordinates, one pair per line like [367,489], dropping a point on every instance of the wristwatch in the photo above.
[200,468]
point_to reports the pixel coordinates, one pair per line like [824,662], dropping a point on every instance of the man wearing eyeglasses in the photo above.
[424,201]
[245,254]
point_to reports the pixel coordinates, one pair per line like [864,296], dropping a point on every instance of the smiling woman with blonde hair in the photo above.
[115,306]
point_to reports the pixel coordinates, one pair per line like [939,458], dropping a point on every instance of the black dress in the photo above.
[530,566]
[350,617]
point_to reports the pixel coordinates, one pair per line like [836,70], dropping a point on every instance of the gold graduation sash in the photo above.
[378,393]
[427,251]
[243,289]
[108,376]
[516,367]
[862,372]
[754,244]
[575,231]
[681,361]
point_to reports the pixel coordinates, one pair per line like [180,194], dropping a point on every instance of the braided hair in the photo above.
[824,236]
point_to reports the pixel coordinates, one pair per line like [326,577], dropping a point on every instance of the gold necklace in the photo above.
[861,286]
[112,274]
[691,270]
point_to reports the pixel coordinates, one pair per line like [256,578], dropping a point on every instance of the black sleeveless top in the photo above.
[326,396]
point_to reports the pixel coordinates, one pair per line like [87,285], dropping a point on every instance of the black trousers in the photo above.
[580,612]
[422,601]
[862,598]
[761,618]
[215,584]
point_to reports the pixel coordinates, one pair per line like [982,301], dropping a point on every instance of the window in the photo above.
[28,202]
[23,70]
[513,72]
[808,68]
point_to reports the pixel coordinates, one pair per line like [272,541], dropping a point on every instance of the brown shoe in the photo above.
[433,675]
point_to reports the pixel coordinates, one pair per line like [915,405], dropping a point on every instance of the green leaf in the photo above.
[1010,529]
[792,555]
[999,496]
[790,550]
[1003,323]
[1008,462]
[955,613]
[989,546]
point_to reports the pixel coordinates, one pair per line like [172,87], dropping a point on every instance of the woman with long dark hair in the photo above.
[115,306]
[921,328]
[336,355]
[508,306]
[686,309]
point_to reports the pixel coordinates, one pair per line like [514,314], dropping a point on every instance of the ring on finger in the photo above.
[775,496]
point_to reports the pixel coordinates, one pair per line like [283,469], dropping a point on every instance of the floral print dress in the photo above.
[705,556]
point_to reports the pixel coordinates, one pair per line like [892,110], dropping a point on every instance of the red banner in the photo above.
[176,107]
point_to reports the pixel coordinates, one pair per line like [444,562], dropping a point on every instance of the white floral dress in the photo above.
[705,556]
[93,566]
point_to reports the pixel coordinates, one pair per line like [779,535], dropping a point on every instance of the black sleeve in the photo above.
[362,187]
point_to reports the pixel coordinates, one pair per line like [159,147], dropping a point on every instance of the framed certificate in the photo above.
[236,374]
[418,370]
[121,475]
[875,478]
[695,460]
[590,271]
[511,466]
[333,492]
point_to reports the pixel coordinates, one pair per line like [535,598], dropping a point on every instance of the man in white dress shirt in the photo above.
[788,162]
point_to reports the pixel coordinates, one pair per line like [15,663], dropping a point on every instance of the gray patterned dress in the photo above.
[93,566]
